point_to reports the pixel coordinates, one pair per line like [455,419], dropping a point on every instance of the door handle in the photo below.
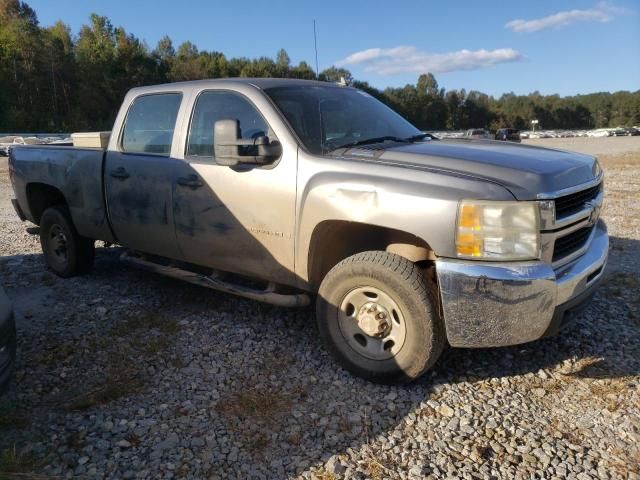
[191,181]
[120,173]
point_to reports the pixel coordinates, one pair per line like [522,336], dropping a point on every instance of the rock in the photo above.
[334,466]
[539,392]
[446,411]
[453,423]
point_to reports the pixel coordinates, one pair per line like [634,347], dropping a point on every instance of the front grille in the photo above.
[574,202]
[571,243]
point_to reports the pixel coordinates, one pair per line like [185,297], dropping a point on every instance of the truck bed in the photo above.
[75,173]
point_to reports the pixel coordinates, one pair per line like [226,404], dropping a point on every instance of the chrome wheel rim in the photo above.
[372,323]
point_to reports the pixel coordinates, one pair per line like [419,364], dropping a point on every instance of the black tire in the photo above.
[404,283]
[66,252]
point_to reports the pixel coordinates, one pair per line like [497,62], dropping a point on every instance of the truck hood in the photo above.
[524,170]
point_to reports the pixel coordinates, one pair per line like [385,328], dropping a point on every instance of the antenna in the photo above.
[315,44]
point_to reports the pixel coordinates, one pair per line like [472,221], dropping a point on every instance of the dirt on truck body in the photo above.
[286,190]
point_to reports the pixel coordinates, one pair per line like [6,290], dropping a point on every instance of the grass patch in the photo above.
[156,345]
[120,382]
[596,383]
[137,338]
[323,475]
[15,465]
[259,443]
[148,321]
[374,469]
[10,418]
[258,406]
[55,355]
[254,403]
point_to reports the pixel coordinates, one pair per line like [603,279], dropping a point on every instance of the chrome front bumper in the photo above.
[490,304]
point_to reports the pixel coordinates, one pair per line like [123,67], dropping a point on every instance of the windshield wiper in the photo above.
[369,141]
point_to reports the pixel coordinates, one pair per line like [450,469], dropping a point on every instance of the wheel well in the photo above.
[41,196]
[333,241]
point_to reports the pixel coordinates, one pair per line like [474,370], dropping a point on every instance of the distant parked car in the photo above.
[508,135]
[7,341]
[620,132]
[477,133]
[600,132]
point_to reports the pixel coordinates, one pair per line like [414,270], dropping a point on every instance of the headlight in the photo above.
[597,170]
[495,230]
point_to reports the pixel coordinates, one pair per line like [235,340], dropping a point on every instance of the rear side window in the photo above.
[150,123]
[220,105]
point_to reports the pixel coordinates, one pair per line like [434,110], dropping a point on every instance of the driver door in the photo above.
[237,219]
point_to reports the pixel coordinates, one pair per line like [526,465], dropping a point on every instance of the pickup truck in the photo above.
[288,190]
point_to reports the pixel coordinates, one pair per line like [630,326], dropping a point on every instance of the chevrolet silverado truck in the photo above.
[289,190]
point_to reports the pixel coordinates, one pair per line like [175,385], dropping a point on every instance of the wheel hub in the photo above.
[58,242]
[372,323]
[373,319]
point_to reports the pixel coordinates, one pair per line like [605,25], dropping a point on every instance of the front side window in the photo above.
[324,118]
[212,106]
[150,124]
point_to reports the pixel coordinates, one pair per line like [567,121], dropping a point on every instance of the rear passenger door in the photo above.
[138,176]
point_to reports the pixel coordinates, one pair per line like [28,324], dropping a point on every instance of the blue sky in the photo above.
[564,47]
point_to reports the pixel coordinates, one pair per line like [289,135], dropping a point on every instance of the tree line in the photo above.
[55,81]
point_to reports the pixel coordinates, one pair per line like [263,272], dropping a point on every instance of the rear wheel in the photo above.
[377,315]
[66,252]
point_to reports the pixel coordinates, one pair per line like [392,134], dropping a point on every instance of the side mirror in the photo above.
[231,149]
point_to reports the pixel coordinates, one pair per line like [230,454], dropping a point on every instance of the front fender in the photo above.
[421,203]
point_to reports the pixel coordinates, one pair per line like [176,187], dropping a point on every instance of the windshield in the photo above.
[326,118]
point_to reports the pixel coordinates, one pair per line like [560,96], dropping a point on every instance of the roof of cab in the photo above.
[261,83]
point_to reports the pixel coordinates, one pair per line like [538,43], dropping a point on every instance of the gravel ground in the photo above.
[124,374]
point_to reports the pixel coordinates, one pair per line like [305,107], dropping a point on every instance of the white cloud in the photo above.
[408,59]
[602,12]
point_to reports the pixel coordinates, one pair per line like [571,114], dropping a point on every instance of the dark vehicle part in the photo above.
[67,253]
[508,135]
[231,149]
[7,342]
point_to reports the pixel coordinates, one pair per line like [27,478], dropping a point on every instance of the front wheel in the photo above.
[66,252]
[377,315]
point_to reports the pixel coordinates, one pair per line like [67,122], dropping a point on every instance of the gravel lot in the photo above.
[123,374]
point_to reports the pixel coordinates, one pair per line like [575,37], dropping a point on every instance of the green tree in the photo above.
[334,74]
[53,80]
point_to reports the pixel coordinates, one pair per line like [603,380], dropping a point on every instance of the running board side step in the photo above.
[267,296]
